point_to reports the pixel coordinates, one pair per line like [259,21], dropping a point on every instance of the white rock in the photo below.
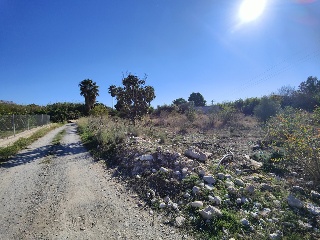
[227,176]
[315,194]
[165,170]
[215,200]
[154,170]
[209,212]
[231,190]
[178,173]
[209,179]
[239,182]
[250,189]
[229,183]
[209,187]
[146,157]
[313,209]
[238,200]
[184,171]
[180,221]
[221,176]
[166,199]
[162,205]
[197,204]
[244,200]
[275,236]
[294,202]
[196,154]
[254,214]
[175,206]
[202,172]
[195,189]
[245,222]
[186,195]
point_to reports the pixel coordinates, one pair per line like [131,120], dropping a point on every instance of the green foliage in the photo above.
[179,101]
[266,109]
[90,91]
[99,110]
[61,112]
[296,133]
[133,99]
[226,114]
[198,99]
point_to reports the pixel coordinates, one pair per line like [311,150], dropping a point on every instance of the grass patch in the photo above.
[56,140]
[22,143]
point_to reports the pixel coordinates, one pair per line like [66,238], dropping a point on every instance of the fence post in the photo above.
[14,126]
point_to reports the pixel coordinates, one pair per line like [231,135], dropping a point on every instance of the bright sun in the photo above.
[251,9]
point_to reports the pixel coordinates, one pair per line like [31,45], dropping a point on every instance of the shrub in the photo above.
[266,109]
[295,132]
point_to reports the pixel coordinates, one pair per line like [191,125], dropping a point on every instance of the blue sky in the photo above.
[184,46]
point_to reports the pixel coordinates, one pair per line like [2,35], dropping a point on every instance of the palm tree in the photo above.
[90,91]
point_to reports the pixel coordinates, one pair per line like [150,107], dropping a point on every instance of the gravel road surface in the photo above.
[59,192]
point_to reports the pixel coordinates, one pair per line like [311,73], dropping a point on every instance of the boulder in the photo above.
[146,157]
[215,200]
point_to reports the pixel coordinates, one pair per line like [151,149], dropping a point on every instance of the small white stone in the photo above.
[195,189]
[209,179]
[245,222]
[238,200]
[164,170]
[167,199]
[162,205]
[180,221]
[221,176]
[197,204]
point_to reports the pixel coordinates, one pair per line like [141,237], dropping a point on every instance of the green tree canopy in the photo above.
[198,99]
[179,101]
[90,91]
[134,98]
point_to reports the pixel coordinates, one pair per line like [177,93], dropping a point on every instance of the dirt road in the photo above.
[48,193]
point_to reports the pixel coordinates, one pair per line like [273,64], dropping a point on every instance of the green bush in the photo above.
[266,109]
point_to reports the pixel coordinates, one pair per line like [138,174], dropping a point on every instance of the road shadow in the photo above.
[55,151]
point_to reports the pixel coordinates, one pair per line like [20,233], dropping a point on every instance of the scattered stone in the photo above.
[209,187]
[227,176]
[209,179]
[215,200]
[238,171]
[229,184]
[315,195]
[202,172]
[164,170]
[297,189]
[180,221]
[187,195]
[197,204]
[244,200]
[184,171]
[313,209]
[221,176]
[294,202]
[245,222]
[239,182]
[277,203]
[175,206]
[254,215]
[238,201]
[266,187]
[250,189]
[265,212]
[275,236]
[209,212]
[195,189]
[201,185]
[146,157]
[196,154]
[162,205]
[304,225]
[232,190]
[166,199]
[178,173]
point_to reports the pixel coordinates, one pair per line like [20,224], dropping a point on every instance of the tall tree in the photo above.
[133,99]
[90,91]
[198,99]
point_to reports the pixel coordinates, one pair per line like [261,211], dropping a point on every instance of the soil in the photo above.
[59,192]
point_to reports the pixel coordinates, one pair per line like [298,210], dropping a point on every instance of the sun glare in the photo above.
[251,9]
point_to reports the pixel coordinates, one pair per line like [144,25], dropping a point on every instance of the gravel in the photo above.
[59,192]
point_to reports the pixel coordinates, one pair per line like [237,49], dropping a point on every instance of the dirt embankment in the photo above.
[59,192]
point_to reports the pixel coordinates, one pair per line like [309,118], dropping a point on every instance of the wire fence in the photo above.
[10,125]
